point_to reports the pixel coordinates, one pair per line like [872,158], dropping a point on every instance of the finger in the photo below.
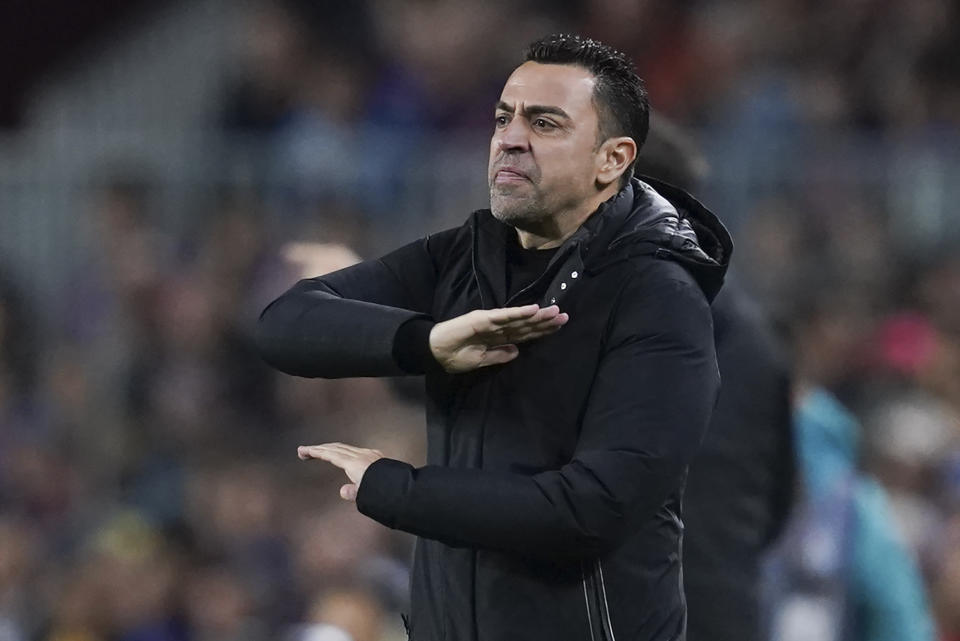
[547,312]
[542,315]
[549,323]
[310,451]
[341,448]
[538,333]
[344,447]
[506,333]
[499,355]
[305,452]
[509,314]
[331,455]
[548,326]
[349,492]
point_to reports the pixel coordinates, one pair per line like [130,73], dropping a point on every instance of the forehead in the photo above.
[569,87]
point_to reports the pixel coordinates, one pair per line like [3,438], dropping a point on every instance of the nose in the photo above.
[514,137]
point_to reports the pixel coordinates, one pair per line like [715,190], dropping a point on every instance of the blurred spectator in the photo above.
[18,568]
[843,571]
[354,610]
[19,347]
[263,88]
[946,585]
[219,607]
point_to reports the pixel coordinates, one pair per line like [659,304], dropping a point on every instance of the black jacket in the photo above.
[741,481]
[550,505]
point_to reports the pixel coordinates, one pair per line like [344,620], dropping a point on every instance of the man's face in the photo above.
[543,150]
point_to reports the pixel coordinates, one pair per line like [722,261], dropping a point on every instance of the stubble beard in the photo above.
[516,209]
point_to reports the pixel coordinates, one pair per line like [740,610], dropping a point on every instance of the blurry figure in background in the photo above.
[199,374]
[108,320]
[318,258]
[339,558]
[842,574]
[937,294]
[19,350]
[691,62]
[126,253]
[121,587]
[946,585]
[318,632]
[422,84]
[234,520]
[908,440]
[741,482]
[19,362]
[325,154]
[909,401]
[138,573]
[19,614]
[220,607]
[77,611]
[355,610]
[260,98]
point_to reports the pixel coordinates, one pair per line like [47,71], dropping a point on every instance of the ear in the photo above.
[613,158]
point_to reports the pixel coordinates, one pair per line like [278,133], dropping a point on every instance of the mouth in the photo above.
[507,175]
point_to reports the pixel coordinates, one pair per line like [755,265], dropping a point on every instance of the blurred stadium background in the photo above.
[158,158]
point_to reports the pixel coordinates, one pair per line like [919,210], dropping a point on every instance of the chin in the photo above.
[516,217]
[508,208]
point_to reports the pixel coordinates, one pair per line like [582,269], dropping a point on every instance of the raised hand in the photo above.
[486,337]
[354,461]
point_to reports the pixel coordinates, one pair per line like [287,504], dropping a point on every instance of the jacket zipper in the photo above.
[558,259]
[595,597]
[683,598]
[476,272]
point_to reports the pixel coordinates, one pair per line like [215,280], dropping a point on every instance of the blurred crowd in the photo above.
[149,486]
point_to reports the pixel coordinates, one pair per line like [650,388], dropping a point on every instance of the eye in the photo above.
[501,120]
[543,123]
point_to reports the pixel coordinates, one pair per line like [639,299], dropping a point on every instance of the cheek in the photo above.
[571,168]
[493,147]
[493,154]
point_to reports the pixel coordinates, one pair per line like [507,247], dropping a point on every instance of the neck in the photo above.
[553,230]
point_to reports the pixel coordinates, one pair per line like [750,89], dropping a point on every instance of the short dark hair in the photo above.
[619,96]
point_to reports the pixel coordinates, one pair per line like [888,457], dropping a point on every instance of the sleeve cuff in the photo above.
[411,347]
[382,491]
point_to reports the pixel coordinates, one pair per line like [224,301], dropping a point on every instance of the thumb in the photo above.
[349,492]
[499,355]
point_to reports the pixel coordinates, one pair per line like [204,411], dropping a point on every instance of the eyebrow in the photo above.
[534,110]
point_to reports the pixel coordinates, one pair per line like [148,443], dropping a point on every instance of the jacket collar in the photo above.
[645,217]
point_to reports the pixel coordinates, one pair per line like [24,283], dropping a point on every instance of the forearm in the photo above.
[316,333]
[488,510]
[346,323]
[569,513]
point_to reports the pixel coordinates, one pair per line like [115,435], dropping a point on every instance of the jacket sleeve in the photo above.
[346,323]
[650,403]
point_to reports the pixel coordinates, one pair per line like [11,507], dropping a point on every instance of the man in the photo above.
[558,441]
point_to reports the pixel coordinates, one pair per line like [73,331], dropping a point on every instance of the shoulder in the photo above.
[653,272]
[663,281]
[441,245]
[659,296]
[441,242]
